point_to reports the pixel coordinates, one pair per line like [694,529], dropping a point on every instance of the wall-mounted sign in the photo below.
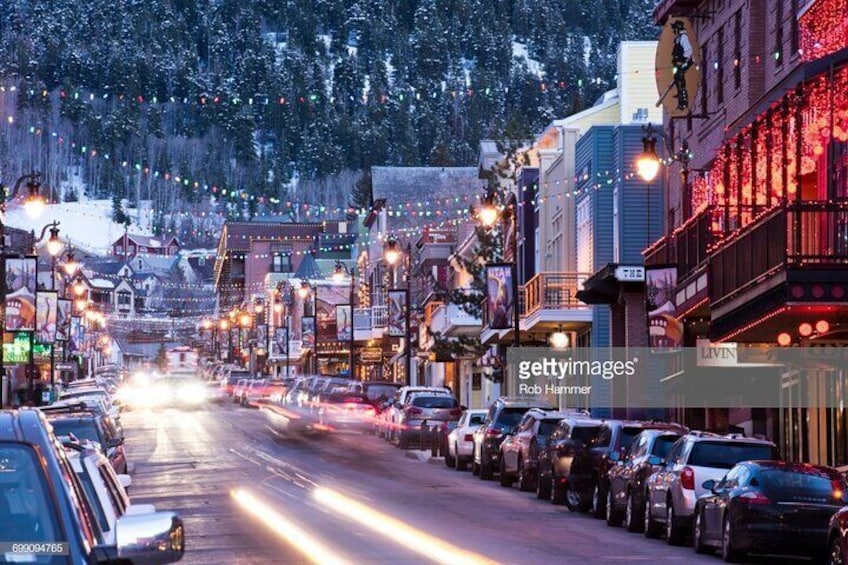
[678,67]
[370,355]
[17,351]
[629,274]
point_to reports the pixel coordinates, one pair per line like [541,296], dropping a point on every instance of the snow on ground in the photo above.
[519,51]
[88,225]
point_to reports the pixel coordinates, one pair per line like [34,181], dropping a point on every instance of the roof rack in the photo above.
[66,408]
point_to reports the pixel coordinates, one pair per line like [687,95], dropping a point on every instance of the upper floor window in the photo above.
[737,48]
[778,33]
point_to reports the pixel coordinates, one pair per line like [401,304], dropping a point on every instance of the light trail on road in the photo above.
[296,536]
[396,530]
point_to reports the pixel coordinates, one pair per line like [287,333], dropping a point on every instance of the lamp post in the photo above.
[392,254]
[54,249]
[339,275]
[488,214]
[34,206]
[305,291]
[285,299]
[648,164]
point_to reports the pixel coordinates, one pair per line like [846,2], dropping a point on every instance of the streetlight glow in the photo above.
[488,215]
[54,244]
[339,274]
[245,320]
[391,251]
[648,162]
[303,289]
[559,340]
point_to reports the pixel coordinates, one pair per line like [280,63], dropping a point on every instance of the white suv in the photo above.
[105,491]
[671,492]
[392,420]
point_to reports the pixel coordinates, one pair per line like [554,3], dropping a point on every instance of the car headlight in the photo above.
[191,393]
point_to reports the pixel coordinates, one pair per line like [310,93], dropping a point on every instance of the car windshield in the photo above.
[662,445]
[435,402]
[27,512]
[801,484]
[347,399]
[476,419]
[547,427]
[375,391]
[585,434]
[510,417]
[725,454]
[628,435]
[82,429]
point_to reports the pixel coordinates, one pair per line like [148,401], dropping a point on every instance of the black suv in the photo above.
[588,482]
[85,424]
[57,515]
[504,414]
[556,455]
[627,479]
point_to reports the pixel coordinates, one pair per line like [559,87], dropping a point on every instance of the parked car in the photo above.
[78,421]
[520,449]
[694,459]
[627,479]
[265,390]
[503,415]
[837,538]
[461,439]
[346,410]
[376,391]
[556,456]
[390,418]
[106,491]
[589,481]
[421,408]
[41,500]
[769,507]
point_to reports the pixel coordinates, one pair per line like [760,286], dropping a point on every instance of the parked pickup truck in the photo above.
[43,505]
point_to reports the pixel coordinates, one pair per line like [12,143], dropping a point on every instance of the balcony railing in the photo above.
[379,316]
[552,291]
[449,317]
[799,235]
[366,319]
[687,245]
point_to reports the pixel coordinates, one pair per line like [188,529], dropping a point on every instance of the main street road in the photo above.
[248,495]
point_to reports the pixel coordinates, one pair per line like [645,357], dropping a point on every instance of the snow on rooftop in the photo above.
[101,283]
[87,224]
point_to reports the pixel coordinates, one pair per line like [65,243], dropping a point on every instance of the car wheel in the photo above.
[729,554]
[506,479]
[835,555]
[673,531]
[403,441]
[450,460]
[561,493]
[698,533]
[613,519]
[487,471]
[650,528]
[543,487]
[631,514]
[525,483]
[475,469]
[572,499]
[461,462]
[598,506]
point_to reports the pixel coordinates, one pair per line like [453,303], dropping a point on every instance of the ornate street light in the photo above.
[391,251]
[648,162]
[245,320]
[54,244]
[488,213]
[304,289]
[71,265]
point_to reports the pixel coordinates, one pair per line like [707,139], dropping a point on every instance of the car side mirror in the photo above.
[709,485]
[114,442]
[655,460]
[150,538]
[615,456]
[463,407]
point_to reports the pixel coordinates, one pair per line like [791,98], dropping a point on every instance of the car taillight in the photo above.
[469,437]
[456,412]
[413,410]
[687,478]
[753,498]
[492,432]
[838,489]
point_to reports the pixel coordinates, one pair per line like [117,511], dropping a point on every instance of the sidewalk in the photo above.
[424,456]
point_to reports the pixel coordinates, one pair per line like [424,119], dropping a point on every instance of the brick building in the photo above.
[756,226]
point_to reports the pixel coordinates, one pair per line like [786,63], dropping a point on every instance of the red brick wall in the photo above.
[760,76]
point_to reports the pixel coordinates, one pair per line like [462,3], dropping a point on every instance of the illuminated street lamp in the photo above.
[340,273]
[245,320]
[71,265]
[391,251]
[392,254]
[648,162]
[488,213]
